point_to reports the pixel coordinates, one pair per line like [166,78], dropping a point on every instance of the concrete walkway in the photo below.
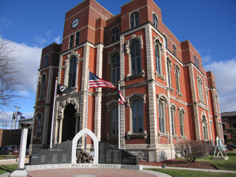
[102,172]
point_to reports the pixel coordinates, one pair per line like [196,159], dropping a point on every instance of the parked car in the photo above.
[9,149]
[17,151]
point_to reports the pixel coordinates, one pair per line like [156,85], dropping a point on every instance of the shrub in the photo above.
[192,149]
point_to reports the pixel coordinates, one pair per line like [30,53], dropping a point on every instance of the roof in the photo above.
[228,114]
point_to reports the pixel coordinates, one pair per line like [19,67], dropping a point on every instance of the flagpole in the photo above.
[54,100]
[86,113]
[118,118]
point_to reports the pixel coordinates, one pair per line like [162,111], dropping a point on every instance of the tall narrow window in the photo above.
[166,41]
[158,58]
[71,40]
[77,38]
[174,50]
[181,122]
[200,89]
[177,78]
[43,87]
[115,68]
[39,126]
[136,57]
[137,116]
[134,19]
[169,71]
[173,120]
[45,63]
[161,116]
[155,21]
[115,34]
[72,72]
[114,120]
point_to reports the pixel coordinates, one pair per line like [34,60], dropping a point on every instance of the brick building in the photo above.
[228,121]
[170,97]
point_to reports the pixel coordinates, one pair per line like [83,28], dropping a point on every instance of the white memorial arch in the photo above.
[76,139]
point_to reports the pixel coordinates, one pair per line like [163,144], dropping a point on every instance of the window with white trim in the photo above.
[137,116]
[174,50]
[162,101]
[181,122]
[173,120]
[169,66]
[166,41]
[158,59]
[155,20]
[177,78]
[136,63]
[134,19]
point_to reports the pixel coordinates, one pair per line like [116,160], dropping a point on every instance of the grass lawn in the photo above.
[220,164]
[188,173]
[8,168]
[7,157]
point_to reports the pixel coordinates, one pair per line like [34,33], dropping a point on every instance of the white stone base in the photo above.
[220,158]
[21,173]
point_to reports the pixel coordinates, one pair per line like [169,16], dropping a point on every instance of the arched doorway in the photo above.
[69,123]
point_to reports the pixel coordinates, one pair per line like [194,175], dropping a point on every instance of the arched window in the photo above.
[115,70]
[137,116]
[173,120]
[174,50]
[115,34]
[43,87]
[134,19]
[181,122]
[72,72]
[155,21]
[158,59]
[39,126]
[136,64]
[168,63]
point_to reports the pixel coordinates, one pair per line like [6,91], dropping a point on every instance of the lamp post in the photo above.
[21,171]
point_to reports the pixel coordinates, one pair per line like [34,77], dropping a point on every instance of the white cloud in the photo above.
[225,76]
[206,59]
[58,39]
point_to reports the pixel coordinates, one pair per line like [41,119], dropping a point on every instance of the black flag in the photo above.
[61,89]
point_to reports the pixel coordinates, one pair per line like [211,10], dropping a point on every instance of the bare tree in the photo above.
[192,149]
[11,77]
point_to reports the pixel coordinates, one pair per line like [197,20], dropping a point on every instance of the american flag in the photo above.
[96,82]
[19,113]
[121,99]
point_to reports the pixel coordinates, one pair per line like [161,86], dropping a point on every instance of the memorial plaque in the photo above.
[109,154]
[55,155]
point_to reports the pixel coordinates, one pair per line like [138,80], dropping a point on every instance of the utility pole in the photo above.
[15,116]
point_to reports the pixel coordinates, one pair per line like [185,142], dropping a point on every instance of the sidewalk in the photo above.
[103,172]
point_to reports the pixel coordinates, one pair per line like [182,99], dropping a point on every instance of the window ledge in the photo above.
[41,99]
[179,93]
[160,76]
[137,135]
[183,137]
[175,136]
[171,89]
[166,134]
[202,102]
[128,76]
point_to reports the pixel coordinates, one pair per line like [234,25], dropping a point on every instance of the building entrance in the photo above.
[69,123]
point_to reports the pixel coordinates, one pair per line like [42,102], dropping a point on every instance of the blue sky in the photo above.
[209,25]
